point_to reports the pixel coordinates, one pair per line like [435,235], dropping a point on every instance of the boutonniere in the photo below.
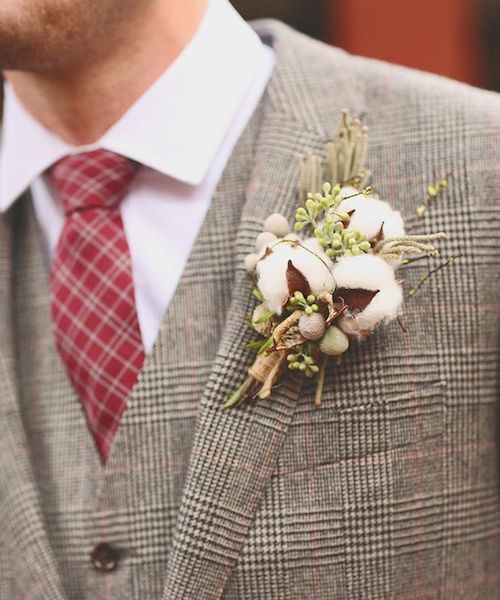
[330,279]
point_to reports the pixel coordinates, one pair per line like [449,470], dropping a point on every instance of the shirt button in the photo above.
[104,558]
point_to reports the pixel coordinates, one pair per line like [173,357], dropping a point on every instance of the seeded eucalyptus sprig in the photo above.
[339,241]
[329,224]
[302,360]
[318,206]
[433,191]
[298,300]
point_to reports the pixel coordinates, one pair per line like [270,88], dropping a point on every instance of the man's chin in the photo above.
[18,57]
[26,44]
[41,35]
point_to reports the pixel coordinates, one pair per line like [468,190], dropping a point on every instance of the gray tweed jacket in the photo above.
[389,491]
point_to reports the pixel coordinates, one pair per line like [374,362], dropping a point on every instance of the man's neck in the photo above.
[80,104]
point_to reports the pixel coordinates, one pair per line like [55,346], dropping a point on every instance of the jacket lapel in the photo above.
[23,528]
[235,451]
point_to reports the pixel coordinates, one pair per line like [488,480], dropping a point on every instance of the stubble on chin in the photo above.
[47,36]
[27,37]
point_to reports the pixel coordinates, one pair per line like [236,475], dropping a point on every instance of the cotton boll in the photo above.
[368,272]
[315,265]
[369,215]
[365,271]
[271,273]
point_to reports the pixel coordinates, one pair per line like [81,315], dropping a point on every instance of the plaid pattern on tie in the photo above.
[92,294]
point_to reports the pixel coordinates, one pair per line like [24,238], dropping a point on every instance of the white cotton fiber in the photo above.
[271,272]
[313,245]
[368,272]
[369,215]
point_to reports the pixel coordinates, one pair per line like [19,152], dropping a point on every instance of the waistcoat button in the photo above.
[104,558]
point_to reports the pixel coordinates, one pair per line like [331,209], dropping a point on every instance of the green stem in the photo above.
[407,261]
[239,394]
[425,277]
[321,381]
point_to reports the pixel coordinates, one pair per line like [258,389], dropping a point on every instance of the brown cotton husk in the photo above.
[380,235]
[296,280]
[356,299]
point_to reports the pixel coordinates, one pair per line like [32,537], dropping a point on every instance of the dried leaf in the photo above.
[356,299]
[340,307]
[334,308]
[290,339]
[296,281]
[325,299]
[285,326]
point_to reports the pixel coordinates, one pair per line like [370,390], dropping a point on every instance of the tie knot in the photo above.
[95,179]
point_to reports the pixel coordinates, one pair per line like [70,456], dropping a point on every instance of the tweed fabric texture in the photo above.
[388,491]
[92,292]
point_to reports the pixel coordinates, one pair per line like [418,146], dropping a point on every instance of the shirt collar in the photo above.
[175,127]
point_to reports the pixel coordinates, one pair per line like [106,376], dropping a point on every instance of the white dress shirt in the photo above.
[183,130]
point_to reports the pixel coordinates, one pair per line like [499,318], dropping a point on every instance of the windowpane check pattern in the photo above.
[92,294]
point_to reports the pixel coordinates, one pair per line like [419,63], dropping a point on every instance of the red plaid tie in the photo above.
[92,294]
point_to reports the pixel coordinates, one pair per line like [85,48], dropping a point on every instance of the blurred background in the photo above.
[456,38]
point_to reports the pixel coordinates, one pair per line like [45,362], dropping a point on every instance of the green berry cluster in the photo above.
[329,224]
[339,241]
[308,305]
[318,206]
[301,360]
